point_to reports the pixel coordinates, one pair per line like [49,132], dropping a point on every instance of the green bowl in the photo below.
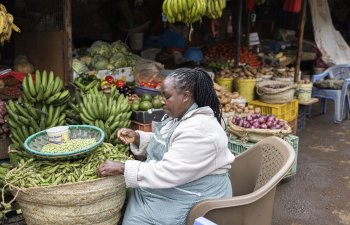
[34,143]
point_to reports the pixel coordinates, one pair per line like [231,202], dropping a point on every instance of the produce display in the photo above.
[4,127]
[233,102]
[104,56]
[41,106]
[6,25]
[146,102]
[258,121]
[34,173]
[110,113]
[218,55]
[69,145]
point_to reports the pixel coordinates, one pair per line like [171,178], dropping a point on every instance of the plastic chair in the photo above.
[340,97]
[254,176]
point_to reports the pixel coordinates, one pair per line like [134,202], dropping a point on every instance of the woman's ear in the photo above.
[187,96]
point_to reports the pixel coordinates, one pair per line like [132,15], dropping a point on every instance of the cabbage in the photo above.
[119,46]
[100,48]
[120,63]
[99,62]
[79,67]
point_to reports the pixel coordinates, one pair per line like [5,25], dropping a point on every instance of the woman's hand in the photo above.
[110,168]
[128,136]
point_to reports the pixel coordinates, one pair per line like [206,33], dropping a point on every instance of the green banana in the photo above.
[50,116]
[51,77]
[37,80]
[52,98]
[44,80]
[31,86]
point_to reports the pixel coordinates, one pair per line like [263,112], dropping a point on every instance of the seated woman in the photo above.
[187,154]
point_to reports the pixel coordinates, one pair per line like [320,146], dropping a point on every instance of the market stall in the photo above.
[110,84]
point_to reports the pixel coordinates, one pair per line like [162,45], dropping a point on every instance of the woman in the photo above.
[187,155]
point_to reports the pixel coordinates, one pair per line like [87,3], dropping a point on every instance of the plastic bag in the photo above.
[148,71]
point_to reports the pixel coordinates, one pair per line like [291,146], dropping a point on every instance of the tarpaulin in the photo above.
[329,41]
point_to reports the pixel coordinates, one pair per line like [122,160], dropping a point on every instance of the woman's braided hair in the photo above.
[199,83]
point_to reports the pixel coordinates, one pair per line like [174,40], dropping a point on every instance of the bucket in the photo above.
[318,70]
[58,135]
[225,82]
[304,92]
[136,41]
[246,88]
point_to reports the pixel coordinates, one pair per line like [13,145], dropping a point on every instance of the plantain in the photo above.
[44,79]
[31,86]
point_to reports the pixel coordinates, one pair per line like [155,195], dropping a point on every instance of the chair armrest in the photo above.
[320,76]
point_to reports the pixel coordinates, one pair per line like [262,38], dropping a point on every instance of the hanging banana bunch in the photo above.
[6,25]
[215,8]
[191,11]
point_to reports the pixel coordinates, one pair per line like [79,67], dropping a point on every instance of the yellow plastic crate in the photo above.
[287,111]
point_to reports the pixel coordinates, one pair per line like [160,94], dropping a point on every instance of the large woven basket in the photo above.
[97,202]
[34,143]
[255,135]
[275,92]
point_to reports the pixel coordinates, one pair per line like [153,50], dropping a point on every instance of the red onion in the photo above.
[281,123]
[263,126]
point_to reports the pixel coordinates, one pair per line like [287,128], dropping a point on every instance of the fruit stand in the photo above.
[111,86]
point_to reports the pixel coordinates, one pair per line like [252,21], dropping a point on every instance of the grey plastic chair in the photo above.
[340,97]
[254,176]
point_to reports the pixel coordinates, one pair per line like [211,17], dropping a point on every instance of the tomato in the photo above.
[120,83]
[143,84]
[110,79]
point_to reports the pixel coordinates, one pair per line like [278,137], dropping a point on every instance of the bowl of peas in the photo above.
[82,140]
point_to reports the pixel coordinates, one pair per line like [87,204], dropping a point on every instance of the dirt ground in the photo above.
[319,193]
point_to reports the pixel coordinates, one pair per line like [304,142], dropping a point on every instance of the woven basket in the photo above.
[34,143]
[97,202]
[255,135]
[278,95]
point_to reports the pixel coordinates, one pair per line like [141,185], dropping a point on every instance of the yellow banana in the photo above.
[15,28]
[2,22]
[9,18]
[3,8]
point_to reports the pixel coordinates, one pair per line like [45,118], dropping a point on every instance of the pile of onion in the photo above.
[258,121]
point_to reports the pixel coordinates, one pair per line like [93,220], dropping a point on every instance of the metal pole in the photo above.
[238,28]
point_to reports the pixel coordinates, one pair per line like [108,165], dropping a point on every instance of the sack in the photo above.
[148,71]
[275,92]
[91,202]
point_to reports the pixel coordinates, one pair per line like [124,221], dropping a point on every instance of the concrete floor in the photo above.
[319,193]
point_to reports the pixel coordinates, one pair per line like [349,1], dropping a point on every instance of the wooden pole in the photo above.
[238,27]
[300,41]
[68,29]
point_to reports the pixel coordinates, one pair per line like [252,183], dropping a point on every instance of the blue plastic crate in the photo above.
[237,147]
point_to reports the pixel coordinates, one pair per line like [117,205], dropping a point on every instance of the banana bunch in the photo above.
[186,11]
[6,25]
[108,113]
[25,120]
[46,89]
[215,8]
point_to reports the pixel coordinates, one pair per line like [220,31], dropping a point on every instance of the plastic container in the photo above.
[286,111]
[148,116]
[237,147]
[143,90]
[246,88]
[58,135]
[193,54]
[304,92]
[225,82]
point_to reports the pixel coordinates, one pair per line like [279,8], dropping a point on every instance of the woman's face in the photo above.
[175,101]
